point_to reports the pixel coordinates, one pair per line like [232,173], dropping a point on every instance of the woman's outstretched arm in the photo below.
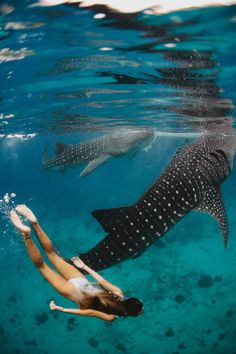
[101,281]
[85,312]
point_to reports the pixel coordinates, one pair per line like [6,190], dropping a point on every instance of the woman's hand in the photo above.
[52,305]
[78,262]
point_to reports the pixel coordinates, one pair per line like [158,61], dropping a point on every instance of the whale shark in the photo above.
[190,182]
[98,150]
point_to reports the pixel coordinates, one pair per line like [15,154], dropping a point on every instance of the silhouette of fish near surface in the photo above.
[191,182]
[99,150]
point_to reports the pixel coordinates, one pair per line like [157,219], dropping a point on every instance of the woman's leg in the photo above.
[67,270]
[56,280]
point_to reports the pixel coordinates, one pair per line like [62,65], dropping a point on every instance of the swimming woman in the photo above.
[105,300]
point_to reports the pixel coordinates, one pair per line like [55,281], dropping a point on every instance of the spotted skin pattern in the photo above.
[191,182]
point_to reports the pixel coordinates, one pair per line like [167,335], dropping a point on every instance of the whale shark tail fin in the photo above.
[113,219]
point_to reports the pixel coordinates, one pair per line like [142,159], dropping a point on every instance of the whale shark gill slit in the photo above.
[210,170]
[225,159]
[217,165]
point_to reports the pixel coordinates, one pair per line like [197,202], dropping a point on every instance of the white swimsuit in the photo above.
[83,287]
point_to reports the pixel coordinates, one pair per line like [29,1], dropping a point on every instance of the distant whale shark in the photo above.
[99,150]
[191,182]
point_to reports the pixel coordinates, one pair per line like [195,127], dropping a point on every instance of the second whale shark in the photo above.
[99,150]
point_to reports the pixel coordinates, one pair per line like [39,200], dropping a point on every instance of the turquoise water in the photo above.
[87,77]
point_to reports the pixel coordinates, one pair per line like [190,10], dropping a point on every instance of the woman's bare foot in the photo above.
[23,229]
[26,212]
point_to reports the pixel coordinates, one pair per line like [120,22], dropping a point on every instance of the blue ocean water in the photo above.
[72,76]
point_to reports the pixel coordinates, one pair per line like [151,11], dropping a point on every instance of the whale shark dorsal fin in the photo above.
[213,204]
[93,164]
[111,218]
[60,148]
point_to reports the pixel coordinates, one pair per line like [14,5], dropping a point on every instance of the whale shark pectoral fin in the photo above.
[213,204]
[60,148]
[93,164]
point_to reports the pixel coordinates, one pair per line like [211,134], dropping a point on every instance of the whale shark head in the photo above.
[131,140]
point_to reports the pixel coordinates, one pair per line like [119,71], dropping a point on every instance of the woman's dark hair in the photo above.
[133,306]
[110,303]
